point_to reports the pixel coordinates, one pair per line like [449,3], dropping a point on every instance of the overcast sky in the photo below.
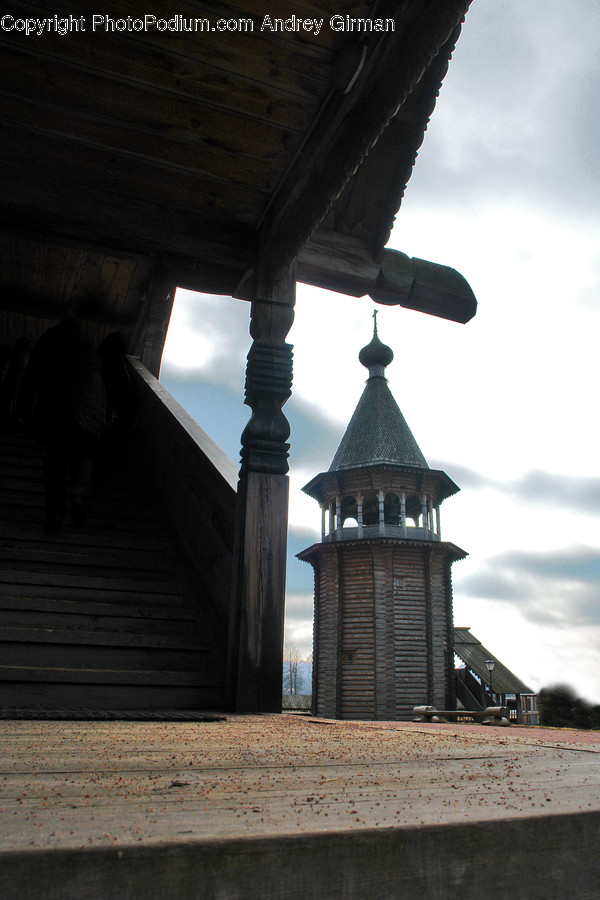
[506,190]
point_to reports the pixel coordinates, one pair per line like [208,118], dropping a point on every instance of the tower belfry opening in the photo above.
[383,591]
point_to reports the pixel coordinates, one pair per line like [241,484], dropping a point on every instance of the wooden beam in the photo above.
[424,286]
[338,262]
[201,253]
[148,338]
[345,264]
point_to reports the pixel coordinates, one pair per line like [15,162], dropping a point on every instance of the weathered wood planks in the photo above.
[382,627]
[102,617]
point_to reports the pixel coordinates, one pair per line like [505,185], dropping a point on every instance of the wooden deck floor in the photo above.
[121,785]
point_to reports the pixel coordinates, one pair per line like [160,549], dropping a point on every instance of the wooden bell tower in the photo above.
[383,591]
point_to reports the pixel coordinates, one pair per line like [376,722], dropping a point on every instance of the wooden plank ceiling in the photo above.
[135,161]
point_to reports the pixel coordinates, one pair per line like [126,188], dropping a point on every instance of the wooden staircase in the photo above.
[102,617]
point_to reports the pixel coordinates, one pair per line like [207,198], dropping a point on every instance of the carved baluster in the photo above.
[256,628]
[268,386]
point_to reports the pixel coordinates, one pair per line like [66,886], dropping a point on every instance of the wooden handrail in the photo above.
[195,481]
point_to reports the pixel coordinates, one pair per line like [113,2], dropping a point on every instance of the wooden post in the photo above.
[255,665]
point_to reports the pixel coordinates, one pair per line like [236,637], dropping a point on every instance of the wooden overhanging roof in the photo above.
[451,552]
[474,655]
[134,161]
[390,477]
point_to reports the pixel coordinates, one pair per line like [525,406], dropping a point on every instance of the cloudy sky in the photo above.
[506,190]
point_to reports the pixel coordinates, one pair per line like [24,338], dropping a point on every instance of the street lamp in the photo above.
[490,665]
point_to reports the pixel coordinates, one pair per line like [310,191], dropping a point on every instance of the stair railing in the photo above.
[194,480]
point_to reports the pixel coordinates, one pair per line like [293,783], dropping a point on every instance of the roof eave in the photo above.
[313,487]
[454,552]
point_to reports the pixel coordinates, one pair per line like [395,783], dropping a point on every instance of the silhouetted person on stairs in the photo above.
[64,389]
[119,388]
[11,377]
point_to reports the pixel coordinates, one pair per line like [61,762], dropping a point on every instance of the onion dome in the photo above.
[376,355]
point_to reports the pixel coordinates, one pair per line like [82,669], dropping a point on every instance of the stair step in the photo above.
[97,617]
[99,562]
[101,521]
[107,676]
[17,481]
[115,595]
[78,621]
[116,586]
[84,538]
[119,506]
[15,470]
[82,607]
[45,695]
[20,445]
[88,575]
[48,654]
[99,635]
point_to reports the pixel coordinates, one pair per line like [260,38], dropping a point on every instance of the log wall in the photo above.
[383,620]
[358,644]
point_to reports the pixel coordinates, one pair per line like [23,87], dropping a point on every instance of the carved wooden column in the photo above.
[403,514]
[423,511]
[255,663]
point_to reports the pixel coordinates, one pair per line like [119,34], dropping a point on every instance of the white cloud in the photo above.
[208,337]
[298,628]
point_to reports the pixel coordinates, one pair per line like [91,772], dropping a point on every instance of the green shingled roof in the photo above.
[377,433]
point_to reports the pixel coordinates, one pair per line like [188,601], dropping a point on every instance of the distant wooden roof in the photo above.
[474,655]
[136,160]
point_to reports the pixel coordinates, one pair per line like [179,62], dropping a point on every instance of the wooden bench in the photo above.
[492,715]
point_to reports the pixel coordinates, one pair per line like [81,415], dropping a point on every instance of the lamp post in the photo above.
[490,665]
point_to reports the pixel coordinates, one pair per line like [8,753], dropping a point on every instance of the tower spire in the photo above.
[377,432]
